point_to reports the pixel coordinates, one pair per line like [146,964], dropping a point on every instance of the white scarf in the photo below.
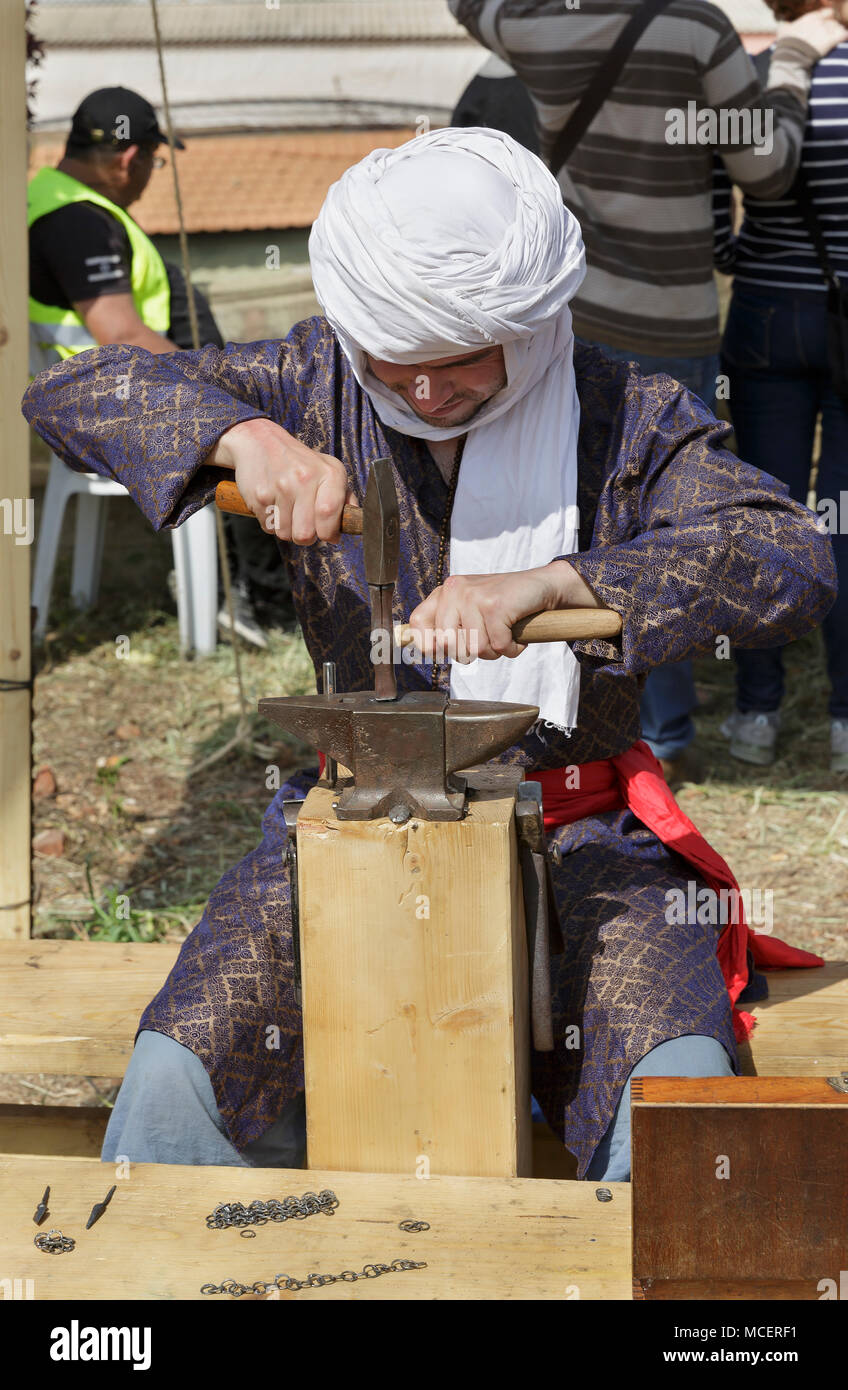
[458,240]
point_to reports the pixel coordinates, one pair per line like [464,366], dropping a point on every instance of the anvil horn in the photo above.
[476,730]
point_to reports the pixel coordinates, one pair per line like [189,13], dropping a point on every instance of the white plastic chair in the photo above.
[194,543]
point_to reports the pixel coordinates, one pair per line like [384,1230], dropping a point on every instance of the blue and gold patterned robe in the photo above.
[678,535]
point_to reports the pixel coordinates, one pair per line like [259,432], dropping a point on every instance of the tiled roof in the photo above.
[237,183]
[293,21]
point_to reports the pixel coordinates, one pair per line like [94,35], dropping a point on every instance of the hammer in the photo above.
[557,625]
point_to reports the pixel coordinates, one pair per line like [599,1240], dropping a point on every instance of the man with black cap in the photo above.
[96,278]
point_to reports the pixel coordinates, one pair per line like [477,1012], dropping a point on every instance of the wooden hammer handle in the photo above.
[229,499]
[560,625]
[557,625]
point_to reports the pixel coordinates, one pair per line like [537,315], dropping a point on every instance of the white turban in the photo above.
[457,240]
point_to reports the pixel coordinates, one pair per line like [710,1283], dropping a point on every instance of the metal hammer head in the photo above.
[403,755]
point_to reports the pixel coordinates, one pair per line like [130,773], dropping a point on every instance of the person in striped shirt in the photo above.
[775,357]
[641,188]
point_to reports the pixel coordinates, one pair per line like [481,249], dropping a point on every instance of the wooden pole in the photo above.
[16,525]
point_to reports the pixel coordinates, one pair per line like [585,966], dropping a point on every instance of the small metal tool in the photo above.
[381,552]
[331,767]
[291,811]
[41,1209]
[99,1207]
[540,910]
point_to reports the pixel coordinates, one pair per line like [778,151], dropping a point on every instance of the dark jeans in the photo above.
[669,695]
[775,355]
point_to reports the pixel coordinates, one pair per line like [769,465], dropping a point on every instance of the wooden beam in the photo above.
[47,986]
[73,1131]
[77,1131]
[73,1006]
[489,1238]
[15,506]
[802,1028]
[415,997]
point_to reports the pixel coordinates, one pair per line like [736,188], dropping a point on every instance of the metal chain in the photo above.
[286,1283]
[413,1226]
[259,1213]
[54,1243]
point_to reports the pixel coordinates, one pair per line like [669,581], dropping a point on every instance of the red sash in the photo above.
[635,780]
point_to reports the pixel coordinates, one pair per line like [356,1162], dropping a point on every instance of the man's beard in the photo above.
[475,403]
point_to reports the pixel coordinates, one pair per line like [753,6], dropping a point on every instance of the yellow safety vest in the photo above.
[62,331]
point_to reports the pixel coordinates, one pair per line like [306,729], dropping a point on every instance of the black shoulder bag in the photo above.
[602,83]
[837,292]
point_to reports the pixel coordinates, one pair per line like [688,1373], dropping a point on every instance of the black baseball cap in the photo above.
[116,117]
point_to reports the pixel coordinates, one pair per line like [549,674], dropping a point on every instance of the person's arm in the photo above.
[724,241]
[154,422]
[113,318]
[719,548]
[764,161]
[728,81]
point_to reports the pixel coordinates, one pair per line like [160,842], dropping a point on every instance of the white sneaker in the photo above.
[752,736]
[839,745]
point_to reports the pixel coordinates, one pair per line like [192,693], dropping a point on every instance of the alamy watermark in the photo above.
[460,644]
[700,906]
[727,125]
[18,515]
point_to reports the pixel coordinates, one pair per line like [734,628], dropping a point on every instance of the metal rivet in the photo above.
[603,1194]
[400,814]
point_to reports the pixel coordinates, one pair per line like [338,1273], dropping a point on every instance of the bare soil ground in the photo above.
[147,838]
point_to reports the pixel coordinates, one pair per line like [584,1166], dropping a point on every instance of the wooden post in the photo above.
[15,508]
[415,998]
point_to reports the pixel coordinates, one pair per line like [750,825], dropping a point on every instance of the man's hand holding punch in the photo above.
[473,615]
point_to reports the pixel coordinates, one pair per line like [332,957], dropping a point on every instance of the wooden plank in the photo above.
[489,1238]
[802,1028]
[738,1201]
[73,1007]
[416,1031]
[73,1130]
[15,504]
[771,1091]
[77,1131]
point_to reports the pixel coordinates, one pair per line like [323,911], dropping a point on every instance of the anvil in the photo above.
[403,752]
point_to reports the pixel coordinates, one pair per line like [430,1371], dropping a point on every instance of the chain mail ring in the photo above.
[54,1243]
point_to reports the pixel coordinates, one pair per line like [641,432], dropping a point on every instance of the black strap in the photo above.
[602,83]
[804,200]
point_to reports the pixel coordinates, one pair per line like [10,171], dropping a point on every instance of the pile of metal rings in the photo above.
[259,1213]
[54,1243]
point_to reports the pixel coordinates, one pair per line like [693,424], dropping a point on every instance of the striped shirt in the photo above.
[774,249]
[643,201]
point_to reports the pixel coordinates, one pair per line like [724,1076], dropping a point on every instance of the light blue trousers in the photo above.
[166,1111]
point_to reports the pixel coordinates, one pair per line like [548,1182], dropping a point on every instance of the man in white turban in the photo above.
[532,472]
